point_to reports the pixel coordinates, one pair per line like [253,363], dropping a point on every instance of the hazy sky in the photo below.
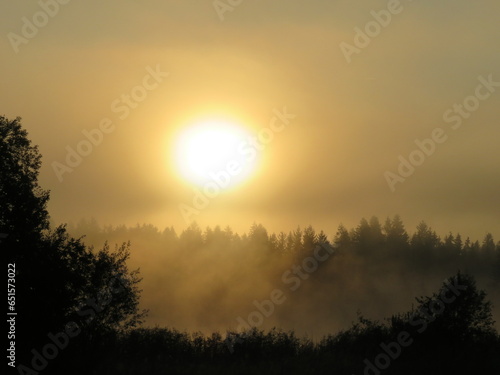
[360,102]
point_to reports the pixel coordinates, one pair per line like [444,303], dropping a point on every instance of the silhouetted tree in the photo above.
[258,236]
[281,243]
[23,203]
[309,239]
[59,279]
[488,246]
[322,238]
[362,236]
[295,241]
[191,239]
[342,237]
[424,238]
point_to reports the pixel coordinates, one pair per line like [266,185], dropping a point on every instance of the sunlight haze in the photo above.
[352,120]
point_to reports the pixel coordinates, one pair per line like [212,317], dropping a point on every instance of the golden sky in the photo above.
[359,102]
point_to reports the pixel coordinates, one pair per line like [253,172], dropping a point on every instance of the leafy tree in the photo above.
[57,276]
[23,203]
[460,309]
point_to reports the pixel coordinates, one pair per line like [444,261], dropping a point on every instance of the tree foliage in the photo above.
[59,279]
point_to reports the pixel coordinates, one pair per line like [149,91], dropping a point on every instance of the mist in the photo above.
[214,279]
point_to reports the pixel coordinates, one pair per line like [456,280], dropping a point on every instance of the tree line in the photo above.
[369,239]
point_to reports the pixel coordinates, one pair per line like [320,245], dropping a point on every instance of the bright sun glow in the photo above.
[214,151]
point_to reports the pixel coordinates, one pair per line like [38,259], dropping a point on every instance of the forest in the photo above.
[139,300]
[375,268]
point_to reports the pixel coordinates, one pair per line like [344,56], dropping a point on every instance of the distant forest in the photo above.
[370,300]
[370,239]
[376,268]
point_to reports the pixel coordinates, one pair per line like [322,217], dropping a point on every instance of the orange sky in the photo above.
[355,113]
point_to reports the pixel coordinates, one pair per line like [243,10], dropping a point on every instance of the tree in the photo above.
[342,238]
[424,238]
[322,238]
[191,238]
[23,203]
[424,245]
[281,243]
[452,331]
[309,239]
[368,236]
[362,235]
[58,278]
[258,236]
[448,247]
[297,243]
[488,246]
[396,236]
[463,309]
[458,244]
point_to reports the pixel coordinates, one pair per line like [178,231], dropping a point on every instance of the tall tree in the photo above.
[424,238]
[58,278]
[396,236]
[258,236]
[342,238]
[488,245]
[309,239]
[23,203]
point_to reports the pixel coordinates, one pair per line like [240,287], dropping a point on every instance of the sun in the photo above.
[215,151]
